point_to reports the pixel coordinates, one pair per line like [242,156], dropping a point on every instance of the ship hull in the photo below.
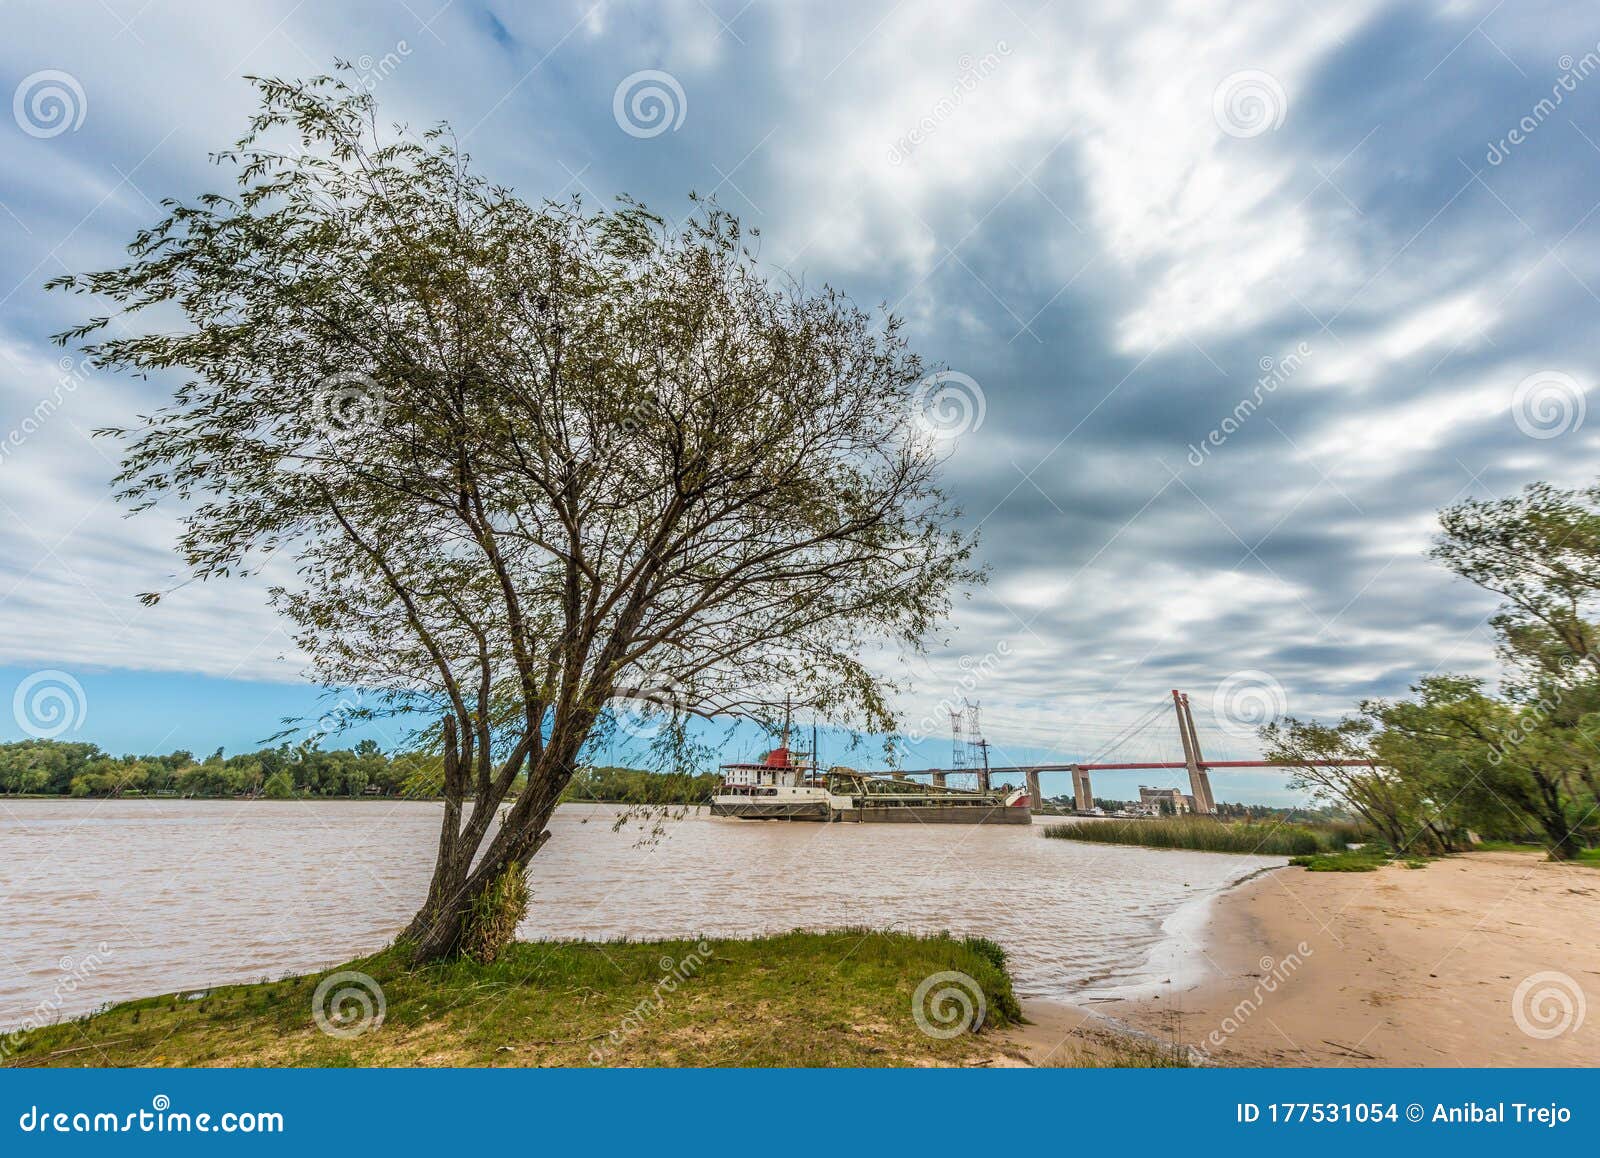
[822,811]
[934,814]
[773,809]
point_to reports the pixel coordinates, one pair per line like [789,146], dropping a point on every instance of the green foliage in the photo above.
[640,786]
[56,768]
[1455,759]
[1206,834]
[1353,860]
[1450,761]
[995,979]
[496,913]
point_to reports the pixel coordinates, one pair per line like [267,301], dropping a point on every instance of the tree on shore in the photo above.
[1361,785]
[1540,552]
[530,461]
[1454,758]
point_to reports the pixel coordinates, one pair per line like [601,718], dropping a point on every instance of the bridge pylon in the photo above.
[1082,793]
[1199,777]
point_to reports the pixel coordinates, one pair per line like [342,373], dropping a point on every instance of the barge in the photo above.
[781,787]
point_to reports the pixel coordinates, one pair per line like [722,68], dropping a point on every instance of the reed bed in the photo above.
[1207,834]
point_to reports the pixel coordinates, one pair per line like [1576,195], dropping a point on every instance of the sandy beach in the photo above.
[1489,959]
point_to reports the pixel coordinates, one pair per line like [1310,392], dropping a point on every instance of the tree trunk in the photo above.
[1442,841]
[1563,843]
[461,912]
[442,926]
[1553,819]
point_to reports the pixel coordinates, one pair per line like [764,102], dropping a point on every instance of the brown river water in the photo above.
[102,901]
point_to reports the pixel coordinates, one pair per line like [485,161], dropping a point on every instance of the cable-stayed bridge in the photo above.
[1193,760]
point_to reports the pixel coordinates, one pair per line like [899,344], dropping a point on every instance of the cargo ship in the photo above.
[784,786]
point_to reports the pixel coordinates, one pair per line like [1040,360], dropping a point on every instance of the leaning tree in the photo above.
[529,460]
[1540,552]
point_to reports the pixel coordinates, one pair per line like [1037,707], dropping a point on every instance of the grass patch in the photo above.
[799,999]
[1507,846]
[1207,834]
[1586,856]
[1368,858]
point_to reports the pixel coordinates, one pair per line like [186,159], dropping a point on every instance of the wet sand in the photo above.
[1489,959]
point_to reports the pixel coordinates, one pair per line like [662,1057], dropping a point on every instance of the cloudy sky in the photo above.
[1374,224]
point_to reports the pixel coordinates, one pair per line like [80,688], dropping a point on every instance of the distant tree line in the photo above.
[1457,759]
[639,786]
[58,768]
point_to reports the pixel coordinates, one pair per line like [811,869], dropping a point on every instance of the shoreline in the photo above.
[1482,959]
[1171,960]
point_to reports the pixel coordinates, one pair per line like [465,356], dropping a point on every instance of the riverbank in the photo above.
[799,999]
[1476,960]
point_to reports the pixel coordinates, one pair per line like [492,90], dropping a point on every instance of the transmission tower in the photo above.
[967,745]
[958,739]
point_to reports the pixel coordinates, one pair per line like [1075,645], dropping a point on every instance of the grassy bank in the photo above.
[1367,859]
[804,999]
[1373,856]
[1207,834]
[1586,856]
